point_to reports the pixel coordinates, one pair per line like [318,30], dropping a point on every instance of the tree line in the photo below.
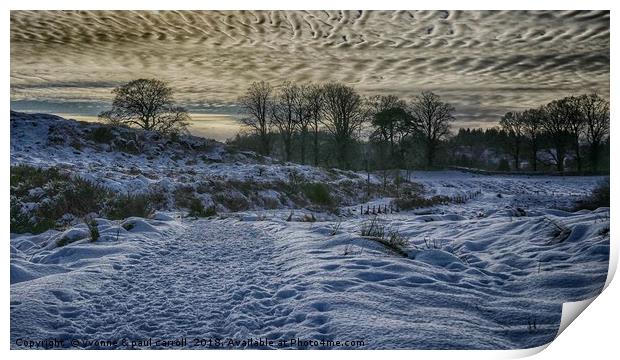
[384,131]
[333,125]
[566,125]
[308,112]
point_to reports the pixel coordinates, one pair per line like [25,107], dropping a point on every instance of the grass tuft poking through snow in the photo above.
[560,231]
[93,229]
[375,229]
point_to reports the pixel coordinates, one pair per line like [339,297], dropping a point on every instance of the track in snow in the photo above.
[213,281]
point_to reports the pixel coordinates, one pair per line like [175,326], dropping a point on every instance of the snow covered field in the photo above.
[491,273]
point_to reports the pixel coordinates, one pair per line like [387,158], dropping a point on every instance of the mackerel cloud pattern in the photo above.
[484,62]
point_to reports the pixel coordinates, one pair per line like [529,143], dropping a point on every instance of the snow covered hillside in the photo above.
[133,161]
[488,272]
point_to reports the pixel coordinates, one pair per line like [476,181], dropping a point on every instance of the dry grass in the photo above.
[376,230]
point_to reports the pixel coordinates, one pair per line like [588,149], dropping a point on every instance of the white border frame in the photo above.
[592,334]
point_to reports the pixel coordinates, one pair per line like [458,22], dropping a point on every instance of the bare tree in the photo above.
[344,112]
[283,116]
[379,103]
[431,118]
[303,115]
[532,123]
[595,111]
[576,124]
[314,97]
[148,104]
[556,125]
[256,102]
[512,123]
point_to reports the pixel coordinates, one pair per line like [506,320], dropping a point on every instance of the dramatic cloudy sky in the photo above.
[484,63]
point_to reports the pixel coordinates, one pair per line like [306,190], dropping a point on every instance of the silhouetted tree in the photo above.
[557,128]
[148,104]
[314,98]
[431,118]
[532,123]
[256,102]
[283,116]
[303,115]
[389,120]
[576,123]
[595,111]
[343,115]
[512,123]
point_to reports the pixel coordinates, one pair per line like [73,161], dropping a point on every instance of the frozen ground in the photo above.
[491,273]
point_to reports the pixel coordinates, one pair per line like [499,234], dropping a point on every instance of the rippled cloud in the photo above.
[484,62]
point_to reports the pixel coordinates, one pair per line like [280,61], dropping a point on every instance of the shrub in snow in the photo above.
[335,228]
[102,134]
[197,209]
[598,198]
[232,200]
[70,236]
[202,188]
[129,146]
[61,195]
[415,201]
[317,193]
[43,199]
[22,222]
[124,206]
[127,226]
[24,178]
[268,201]
[185,198]
[138,225]
[295,179]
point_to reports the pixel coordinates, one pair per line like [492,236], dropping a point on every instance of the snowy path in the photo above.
[215,280]
[204,283]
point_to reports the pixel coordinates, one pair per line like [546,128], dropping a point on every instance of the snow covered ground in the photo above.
[131,161]
[491,273]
